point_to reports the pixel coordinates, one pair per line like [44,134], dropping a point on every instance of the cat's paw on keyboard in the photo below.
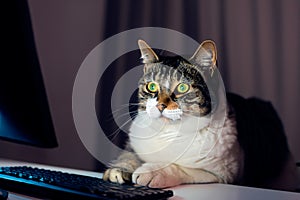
[117,175]
[156,175]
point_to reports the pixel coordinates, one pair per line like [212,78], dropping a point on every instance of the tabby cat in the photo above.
[170,142]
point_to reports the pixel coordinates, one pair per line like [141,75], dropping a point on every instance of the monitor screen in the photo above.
[24,112]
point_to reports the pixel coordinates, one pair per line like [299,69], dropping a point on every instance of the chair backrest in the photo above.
[261,135]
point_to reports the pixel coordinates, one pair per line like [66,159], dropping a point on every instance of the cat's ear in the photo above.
[147,54]
[206,55]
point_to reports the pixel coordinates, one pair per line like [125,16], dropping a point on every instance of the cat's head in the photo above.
[173,87]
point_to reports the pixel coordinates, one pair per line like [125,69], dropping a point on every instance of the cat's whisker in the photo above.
[124,106]
[115,134]
[143,118]
[114,113]
[135,113]
[126,114]
[118,130]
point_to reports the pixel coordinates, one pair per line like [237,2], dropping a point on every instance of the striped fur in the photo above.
[168,73]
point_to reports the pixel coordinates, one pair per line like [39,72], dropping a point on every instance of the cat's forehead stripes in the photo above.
[174,70]
[167,77]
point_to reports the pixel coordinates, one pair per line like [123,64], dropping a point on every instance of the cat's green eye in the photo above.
[183,88]
[152,87]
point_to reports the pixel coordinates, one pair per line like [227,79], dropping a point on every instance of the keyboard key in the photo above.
[59,185]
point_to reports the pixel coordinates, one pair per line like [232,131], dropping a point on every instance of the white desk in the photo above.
[183,192]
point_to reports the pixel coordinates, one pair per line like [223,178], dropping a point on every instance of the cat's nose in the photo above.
[161,106]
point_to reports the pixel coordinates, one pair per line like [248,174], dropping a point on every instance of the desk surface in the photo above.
[183,192]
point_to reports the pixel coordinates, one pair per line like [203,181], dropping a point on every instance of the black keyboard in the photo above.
[50,184]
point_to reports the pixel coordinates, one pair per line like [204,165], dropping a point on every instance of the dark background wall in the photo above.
[258,43]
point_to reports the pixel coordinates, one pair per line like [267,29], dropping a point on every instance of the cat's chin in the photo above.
[172,114]
[154,113]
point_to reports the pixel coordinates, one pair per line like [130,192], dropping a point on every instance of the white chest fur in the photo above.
[188,142]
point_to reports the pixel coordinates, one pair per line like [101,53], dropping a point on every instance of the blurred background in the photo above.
[258,55]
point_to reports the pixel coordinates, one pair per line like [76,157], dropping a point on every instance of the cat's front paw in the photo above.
[157,175]
[117,175]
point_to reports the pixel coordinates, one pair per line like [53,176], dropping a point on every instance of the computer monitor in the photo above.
[24,112]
